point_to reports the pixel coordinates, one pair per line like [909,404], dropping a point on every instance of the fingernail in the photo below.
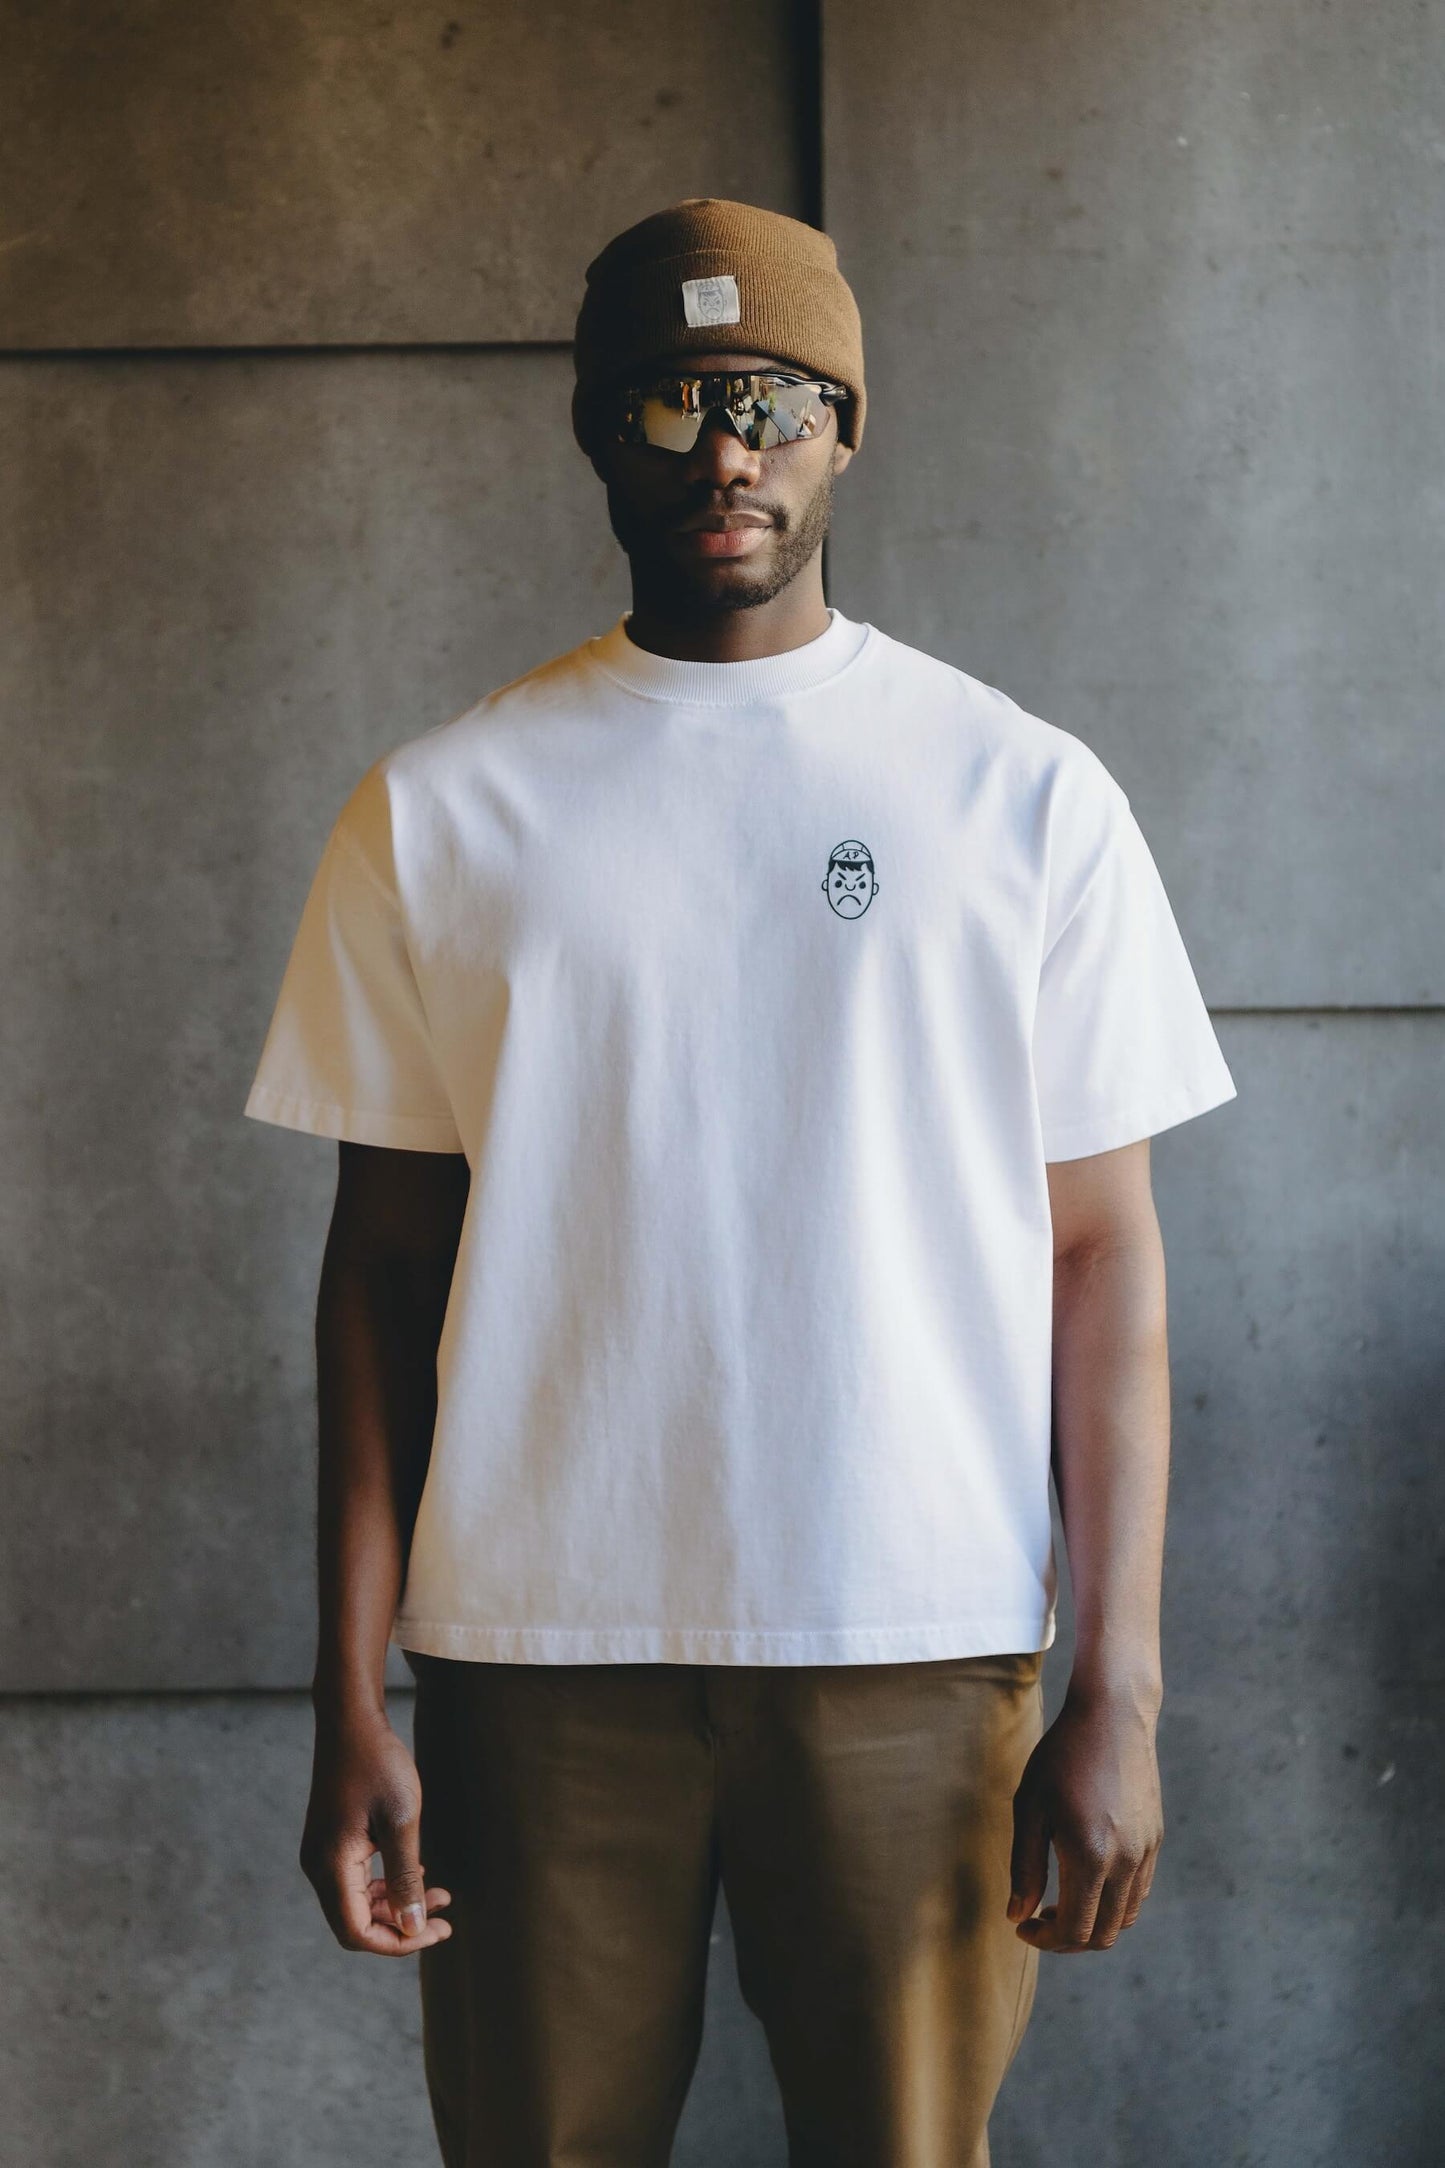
[413,1919]
[1014,1908]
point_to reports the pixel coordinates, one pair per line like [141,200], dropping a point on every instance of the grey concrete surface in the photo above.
[228,584]
[331,171]
[1307,1290]
[1152,319]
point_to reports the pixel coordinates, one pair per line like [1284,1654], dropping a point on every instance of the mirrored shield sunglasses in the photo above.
[765,409]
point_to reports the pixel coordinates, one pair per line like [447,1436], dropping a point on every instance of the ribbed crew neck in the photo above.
[729,684]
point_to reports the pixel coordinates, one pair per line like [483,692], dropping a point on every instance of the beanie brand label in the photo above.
[712,301]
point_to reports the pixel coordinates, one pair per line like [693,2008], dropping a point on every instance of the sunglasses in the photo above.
[765,409]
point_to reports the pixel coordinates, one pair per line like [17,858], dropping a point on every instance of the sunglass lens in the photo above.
[765,412]
[790,411]
[665,421]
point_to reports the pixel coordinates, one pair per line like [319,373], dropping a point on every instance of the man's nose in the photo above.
[720,454]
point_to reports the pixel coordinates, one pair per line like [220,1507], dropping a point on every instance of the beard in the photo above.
[709,587]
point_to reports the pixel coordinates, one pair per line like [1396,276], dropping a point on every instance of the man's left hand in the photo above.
[1091,1789]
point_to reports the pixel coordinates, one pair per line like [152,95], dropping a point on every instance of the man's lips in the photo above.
[714,536]
[722,520]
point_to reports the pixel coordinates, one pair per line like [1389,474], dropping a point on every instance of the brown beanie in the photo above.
[708,275]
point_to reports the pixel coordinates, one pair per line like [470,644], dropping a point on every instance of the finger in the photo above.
[1109,1920]
[1029,1862]
[1070,1922]
[1133,1899]
[436,1899]
[1040,1930]
[381,1939]
[435,1895]
[1143,1883]
[1083,1878]
[384,1937]
[343,1891]
[398,1835]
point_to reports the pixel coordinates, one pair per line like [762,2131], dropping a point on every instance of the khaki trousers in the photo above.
[859,1818]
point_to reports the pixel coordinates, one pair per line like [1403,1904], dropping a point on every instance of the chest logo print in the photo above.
[848,883]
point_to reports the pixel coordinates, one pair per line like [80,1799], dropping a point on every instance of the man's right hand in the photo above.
[366,1798]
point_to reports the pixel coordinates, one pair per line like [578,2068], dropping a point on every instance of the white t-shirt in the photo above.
[757,995]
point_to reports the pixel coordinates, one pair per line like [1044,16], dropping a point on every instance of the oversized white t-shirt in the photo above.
[758,996]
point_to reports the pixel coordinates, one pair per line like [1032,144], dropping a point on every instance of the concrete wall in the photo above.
[283,172]
[1153,443]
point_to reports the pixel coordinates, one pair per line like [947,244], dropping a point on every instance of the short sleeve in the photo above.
[1123,1043]
[348,1053]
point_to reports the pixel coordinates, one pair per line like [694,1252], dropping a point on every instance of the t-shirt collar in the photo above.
[728,684]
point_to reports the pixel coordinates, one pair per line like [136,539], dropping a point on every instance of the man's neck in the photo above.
[790,620]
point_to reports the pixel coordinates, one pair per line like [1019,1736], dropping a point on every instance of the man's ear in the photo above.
[842,453]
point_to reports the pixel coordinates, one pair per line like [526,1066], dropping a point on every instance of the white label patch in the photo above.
[712,301]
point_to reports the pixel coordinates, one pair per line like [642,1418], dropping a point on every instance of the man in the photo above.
[744,1033]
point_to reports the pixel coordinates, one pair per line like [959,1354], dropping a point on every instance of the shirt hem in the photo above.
[996,1636]
[409,1132]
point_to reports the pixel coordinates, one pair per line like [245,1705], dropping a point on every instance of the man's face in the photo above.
[720,527]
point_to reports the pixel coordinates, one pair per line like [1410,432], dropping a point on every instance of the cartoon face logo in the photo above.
[848,883]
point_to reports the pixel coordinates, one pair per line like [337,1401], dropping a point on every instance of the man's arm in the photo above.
[1091,1787]
[385,1279]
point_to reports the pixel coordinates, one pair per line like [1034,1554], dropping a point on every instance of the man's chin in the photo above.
[717,584]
